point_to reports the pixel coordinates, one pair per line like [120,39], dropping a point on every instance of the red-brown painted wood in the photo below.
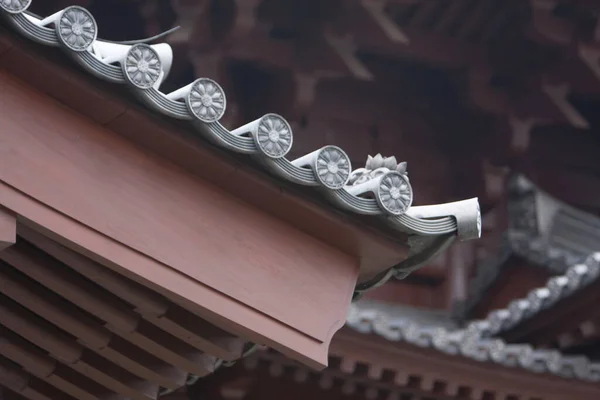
[8,228]
[74,88]
[152,306]
[196,242]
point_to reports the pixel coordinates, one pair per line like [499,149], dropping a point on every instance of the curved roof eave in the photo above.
[381,189]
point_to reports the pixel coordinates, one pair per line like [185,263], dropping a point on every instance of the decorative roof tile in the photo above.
[471,343]
[556,289]
[381,189]
[546,232]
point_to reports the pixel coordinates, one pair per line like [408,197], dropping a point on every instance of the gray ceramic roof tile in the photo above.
[544,231]
[556,289]
[472,343]
[382,189]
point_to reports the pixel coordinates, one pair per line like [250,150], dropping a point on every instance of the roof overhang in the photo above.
[143,197]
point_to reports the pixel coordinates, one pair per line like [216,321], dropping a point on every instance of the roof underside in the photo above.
[77,329]
[71,328]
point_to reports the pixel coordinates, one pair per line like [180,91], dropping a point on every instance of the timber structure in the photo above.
[125,274]
[147,217]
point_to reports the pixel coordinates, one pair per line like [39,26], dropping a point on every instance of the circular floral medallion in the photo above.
[76,28]
[333,167]
[274,136]
[394,194]
[14,6]
[206,100]
[142,66]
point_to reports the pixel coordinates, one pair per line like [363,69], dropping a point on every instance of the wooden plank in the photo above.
[222,168]
[61,346]
[157,210]
[117,317]
[152,306]
[8,229]
[39,364]
[256,327]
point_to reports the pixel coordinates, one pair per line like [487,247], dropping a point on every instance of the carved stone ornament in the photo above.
[76,28]
[142,66]
[206,100]
[394,193]
[332,167]
[274,136]
[376,166]
[14,6]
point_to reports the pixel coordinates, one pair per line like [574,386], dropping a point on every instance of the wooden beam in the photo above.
[376,9]
[168,260]
[180,149]
[477,377]
[558,94]
[410,294]
[8,228]
[155,308]
[346,48]
[431,48]
[118,320]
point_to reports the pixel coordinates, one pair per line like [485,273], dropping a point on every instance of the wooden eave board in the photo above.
[378,246]
[75,176]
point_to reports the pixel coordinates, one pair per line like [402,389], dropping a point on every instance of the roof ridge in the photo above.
[559,287]
[543,230]
[381,190]
[471,344]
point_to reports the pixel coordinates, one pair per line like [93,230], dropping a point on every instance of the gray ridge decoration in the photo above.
[331,166]
[469,344]
[544,231]
[376,166]
[142,66]
[394,193]
[273,136]
[14,6]
[387,180]
[206,100]
[76,28]
[557,288]
[380,189]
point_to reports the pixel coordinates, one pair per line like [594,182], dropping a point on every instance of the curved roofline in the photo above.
[473,343]
[383,190]
[543,230]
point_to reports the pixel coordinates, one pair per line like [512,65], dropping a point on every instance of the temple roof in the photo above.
[544,231]
[558,288]
[472,343]
[381,189]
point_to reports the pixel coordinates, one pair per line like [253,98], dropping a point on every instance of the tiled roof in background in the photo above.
[476,342]
[544,231]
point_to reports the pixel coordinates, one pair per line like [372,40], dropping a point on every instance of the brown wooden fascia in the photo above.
[8,229]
